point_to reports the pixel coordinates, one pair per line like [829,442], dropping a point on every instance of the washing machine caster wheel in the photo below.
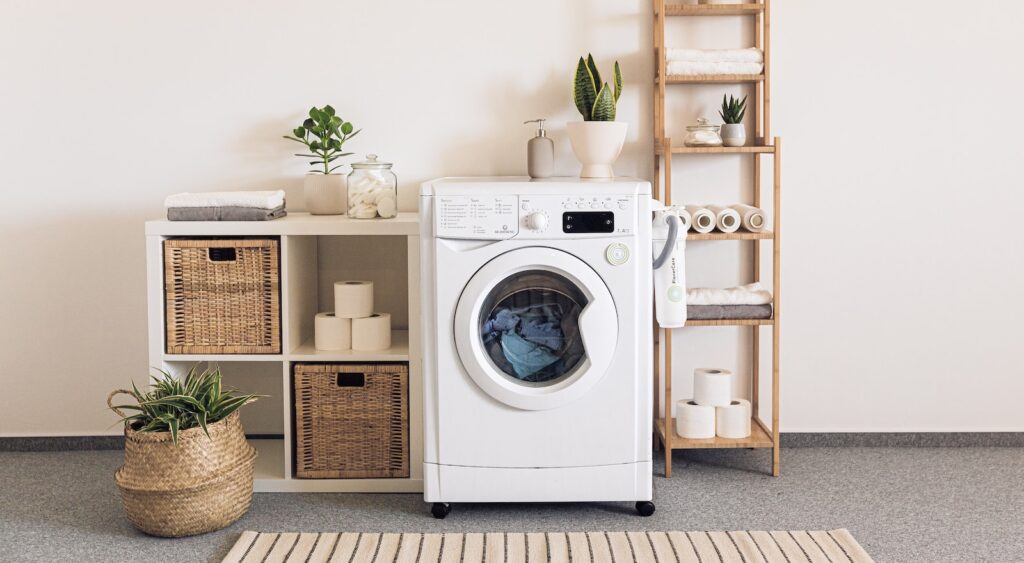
[645,507]
[441,509]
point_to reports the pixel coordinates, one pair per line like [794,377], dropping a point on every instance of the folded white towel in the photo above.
[750,55]
[750,294]
[271,199]
[692,68]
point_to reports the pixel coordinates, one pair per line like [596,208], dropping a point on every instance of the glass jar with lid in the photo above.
[703,134]
[372,190]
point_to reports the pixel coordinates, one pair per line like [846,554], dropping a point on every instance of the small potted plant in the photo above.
[597,140]
[187,466]
[324,134]
[733,132]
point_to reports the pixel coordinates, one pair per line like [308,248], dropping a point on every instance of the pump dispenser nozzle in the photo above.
[540,126]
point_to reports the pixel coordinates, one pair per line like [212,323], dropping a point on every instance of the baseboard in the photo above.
[902,439]
[81,443]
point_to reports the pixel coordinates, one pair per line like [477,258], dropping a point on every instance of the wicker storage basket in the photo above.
[222,296]
[200,485]
[351,421]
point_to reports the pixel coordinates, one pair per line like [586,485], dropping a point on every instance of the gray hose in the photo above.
[670,243]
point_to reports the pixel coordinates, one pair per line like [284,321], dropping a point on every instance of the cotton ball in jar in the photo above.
[386,207]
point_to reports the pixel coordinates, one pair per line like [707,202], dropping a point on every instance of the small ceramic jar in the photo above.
[703,134]
[372,190]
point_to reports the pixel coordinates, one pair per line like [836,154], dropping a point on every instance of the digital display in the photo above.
[588,222]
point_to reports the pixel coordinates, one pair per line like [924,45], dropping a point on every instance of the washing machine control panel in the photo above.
[500,217]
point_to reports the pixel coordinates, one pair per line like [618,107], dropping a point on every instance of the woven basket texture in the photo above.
[351,421]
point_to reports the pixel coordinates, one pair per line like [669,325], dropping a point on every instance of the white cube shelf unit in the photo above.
[315,251]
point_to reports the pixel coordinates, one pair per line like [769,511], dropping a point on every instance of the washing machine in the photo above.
[536,312]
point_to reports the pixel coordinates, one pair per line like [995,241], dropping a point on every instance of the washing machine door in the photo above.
[536,328]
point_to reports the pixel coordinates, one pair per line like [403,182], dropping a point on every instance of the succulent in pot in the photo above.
[324,134]
[734,134]
[598,139]
[188,468]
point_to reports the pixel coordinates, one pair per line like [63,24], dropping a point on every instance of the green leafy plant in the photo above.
[323,133]
[733,109]
[594,99]
[174,404]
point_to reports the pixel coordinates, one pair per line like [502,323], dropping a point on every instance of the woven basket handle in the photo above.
[110,401]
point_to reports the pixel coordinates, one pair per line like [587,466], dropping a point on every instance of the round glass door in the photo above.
[536,328]
[529,326]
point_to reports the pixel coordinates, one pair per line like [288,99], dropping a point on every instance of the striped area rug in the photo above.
[836,546]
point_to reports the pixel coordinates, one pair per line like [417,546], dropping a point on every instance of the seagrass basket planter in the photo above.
[202,484]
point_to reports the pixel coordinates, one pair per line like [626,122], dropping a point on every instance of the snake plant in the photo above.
[323,133]
[594,99]
[173,404]
[733,109]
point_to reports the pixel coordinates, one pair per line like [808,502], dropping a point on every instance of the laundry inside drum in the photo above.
[529,325]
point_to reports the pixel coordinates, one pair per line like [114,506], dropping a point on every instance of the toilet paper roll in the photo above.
[685,220]
[372,332]
[733,421]
[353,299]
[694,421]
[751,217]
[702,219]
[727,219]
[331,332]
[712,387]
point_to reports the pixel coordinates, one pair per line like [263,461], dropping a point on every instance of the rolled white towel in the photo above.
[727,219]
[753,217]
[702,220]
[692,68]
[749,55]
[750,294]
[271,199]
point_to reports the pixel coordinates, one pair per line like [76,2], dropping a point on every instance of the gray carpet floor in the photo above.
[902,504]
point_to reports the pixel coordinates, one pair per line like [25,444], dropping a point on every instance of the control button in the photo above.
[623,204]
[617,254]
[525,206]
[606,204]
[537,221]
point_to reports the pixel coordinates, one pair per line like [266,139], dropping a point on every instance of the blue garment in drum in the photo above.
[527,358]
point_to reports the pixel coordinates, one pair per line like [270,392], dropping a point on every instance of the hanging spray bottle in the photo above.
[669,247]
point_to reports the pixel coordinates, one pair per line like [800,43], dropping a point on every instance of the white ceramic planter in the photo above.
[734,135]
[325,194]
[597,145]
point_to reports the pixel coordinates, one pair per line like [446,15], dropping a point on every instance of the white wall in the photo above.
[108,106]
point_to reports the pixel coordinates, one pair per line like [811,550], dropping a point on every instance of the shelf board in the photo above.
[713,9]
[712,78]
[269,477]
[738,235]
[407,223]
[193,358]
[730,322]
[398,352]
[759,438]
[761,149]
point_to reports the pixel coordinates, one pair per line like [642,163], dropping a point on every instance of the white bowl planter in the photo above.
[597,145]
[734,135]
[325,194]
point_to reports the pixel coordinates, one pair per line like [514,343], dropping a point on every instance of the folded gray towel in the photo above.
[224,213]
[727,312]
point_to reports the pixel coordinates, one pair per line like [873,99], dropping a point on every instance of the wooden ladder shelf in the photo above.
[763,435]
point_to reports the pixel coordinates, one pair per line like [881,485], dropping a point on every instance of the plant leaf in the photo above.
[583,91]
[618,82]
[604,105]
[594,74]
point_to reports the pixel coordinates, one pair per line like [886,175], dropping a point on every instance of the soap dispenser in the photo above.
[540,152]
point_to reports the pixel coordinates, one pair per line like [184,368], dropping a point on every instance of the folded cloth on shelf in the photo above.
[270,199]
[748,55]
[728,312]
[692,68]
[750,294]
[228,213]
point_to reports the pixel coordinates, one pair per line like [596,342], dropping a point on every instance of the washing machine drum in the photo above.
[536,328]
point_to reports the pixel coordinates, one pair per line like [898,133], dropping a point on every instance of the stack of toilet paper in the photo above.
[353,325]
[724,218]
[712,411]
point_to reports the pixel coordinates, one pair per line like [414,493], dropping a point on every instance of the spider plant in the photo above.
[173,404]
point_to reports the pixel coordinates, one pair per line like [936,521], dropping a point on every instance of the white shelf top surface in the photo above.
[406,223]
[562,185]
